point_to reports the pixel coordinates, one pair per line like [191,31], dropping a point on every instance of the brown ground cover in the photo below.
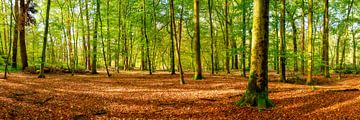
[135,95]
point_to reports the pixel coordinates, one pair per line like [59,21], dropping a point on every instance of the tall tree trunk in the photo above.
[22,20]
[294,34]
[310,43]
[68,27]
[172,56]
[227,60]
[243,73]
[102,37]
[282,42]
[108,38]
[9,51]
[16,34]
[326,40]
[210,5]
[146,39]
[83,34]
[257,90]
[117,54]
[88,36]
[94,42]
[198,74]
[302,37]
[345,40]
[43,56]
[276,56]
[178,40]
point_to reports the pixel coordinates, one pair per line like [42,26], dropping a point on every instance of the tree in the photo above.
[16,34]
[257,91]
[43,56]
[94,42]
[282,42]
[9,51]
[310,43]
[22,22]
[243,73]
[178,40]
[172,49]
[227,59]
[198,74]
[302,37]
[146,39]
[210,6]
[326,40]
[102,38]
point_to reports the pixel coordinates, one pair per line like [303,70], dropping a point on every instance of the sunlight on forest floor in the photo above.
[159,96]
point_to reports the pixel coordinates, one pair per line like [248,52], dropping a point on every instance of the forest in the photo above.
[179,59]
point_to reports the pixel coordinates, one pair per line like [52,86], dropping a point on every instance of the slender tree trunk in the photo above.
[243,73]
[88,36]
[257,90]
[68,26]
[172,56]
[43,56]
[282,42]
[345,40]
[146,39]
[83,34]
[102,37]
[227,60]
[9,51]
[178,40]
[16,34]
[210,5]
[354,50]
[302,37]
[94,42]
[108,38]
[276,59]
[326,40]
[310,43]
[117,54]
[198,74]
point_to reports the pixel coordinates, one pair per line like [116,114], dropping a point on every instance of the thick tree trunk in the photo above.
[276,56]
[257,90]
[22,20]
[198,74]
[282,42]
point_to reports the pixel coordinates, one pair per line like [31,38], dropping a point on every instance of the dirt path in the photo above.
[137,95]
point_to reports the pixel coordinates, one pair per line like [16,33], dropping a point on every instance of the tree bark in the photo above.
[198,74]
[227,59]
[257,90]
[310,44]
[172,56]
[43,56]
[210,5]
[326,40]
[22,19]
[282,42]
[94,50]
[16,34]
[302,37]
[243,73]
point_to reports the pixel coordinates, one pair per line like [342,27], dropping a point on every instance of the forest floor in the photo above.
[135,95]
